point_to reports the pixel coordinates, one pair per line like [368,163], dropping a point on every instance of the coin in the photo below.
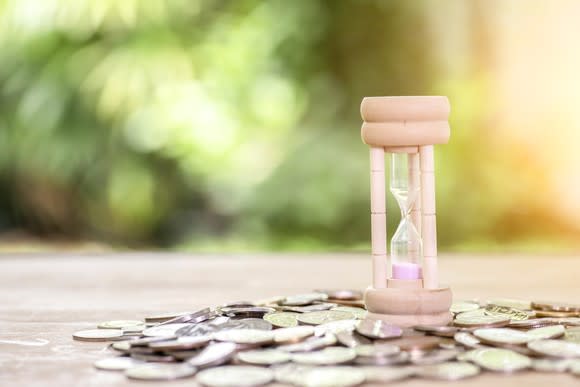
[470,314]
[555,348]
[463,306]
[387,375]
[235,376]
[98,335]
[551,365]
[253,311]
[326,356]
[467,339]
[433,357]
[342,294]
[335,327]
[118,363]
[293,334]
[437,330]
[377,350]
[573,335]
[531,323]
[377,329]
[506,311]
[309,308]
[255,323]
[282,319]
[153,357]
[304,299]
[482,321]
[500,360]
[351,339]
[555,314]
[213,355]
[160,372]
[511,303]
[400,358]
[311,344]
[168,330]
[145,341]
[164,317]
[264,357]
[449,371]
[181,343]
[359,313]
[549,332]
[330,376]
[120,324]
[575,367]
[245,336]
[555,306]
[416,343]
[502,336]
[325,316]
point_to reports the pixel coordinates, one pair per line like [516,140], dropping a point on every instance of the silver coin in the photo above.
[551,365]
[181,343]
[437,330]
[470,314]
[322,317]
[437,356]
[358,313]
[573,335]
[293,334]
[118,363]
[335,327]
[378,329]
[256,323]
[310,308]
[549,332]
[160,372]
[502,336]
[467,339]
[482,321]
[120,324]
[337,376]
[153,357]
[192,317]
[264,357]
[122,346]
[511,303]
[449,371]
[501,360]
[235,376]
[351,339]
[145,341]
[289,373]
[377,350]
[310,344]
[245,336]
[168,330]
[304,299]
[282,319]
[165,316]
[387,374]
[326,356]
[98,335]
[213,355]
[252,312]
[400,358]
[184,355]
[555,348]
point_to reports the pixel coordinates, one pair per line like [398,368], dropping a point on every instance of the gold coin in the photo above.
[482,321]
[555,306]
[509,312]
[282,319]
[325,316]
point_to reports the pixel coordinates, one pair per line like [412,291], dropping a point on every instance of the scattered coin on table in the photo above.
[324,339]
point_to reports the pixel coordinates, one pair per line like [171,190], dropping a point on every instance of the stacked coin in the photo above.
[324,338]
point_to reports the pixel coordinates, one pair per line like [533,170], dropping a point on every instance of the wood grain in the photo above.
[45,298]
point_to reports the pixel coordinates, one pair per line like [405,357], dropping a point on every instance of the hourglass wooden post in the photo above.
[405,289]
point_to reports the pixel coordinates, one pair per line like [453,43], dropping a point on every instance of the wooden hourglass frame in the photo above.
[412,126]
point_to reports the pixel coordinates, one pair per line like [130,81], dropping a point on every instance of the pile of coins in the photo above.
[324,338]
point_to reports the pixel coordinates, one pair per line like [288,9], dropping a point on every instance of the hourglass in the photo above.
[405,289]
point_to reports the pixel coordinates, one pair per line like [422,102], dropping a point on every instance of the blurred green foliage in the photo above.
[212,124]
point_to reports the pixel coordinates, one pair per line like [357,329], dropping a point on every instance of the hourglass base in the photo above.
[408,307]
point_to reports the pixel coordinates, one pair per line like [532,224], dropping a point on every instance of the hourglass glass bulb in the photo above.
[406,242]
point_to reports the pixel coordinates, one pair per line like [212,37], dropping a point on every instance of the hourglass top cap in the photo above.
[405,121]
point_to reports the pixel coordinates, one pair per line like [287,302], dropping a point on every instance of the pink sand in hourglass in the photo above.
[406,270]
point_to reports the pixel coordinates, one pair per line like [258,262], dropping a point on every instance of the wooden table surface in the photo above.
[45,298]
